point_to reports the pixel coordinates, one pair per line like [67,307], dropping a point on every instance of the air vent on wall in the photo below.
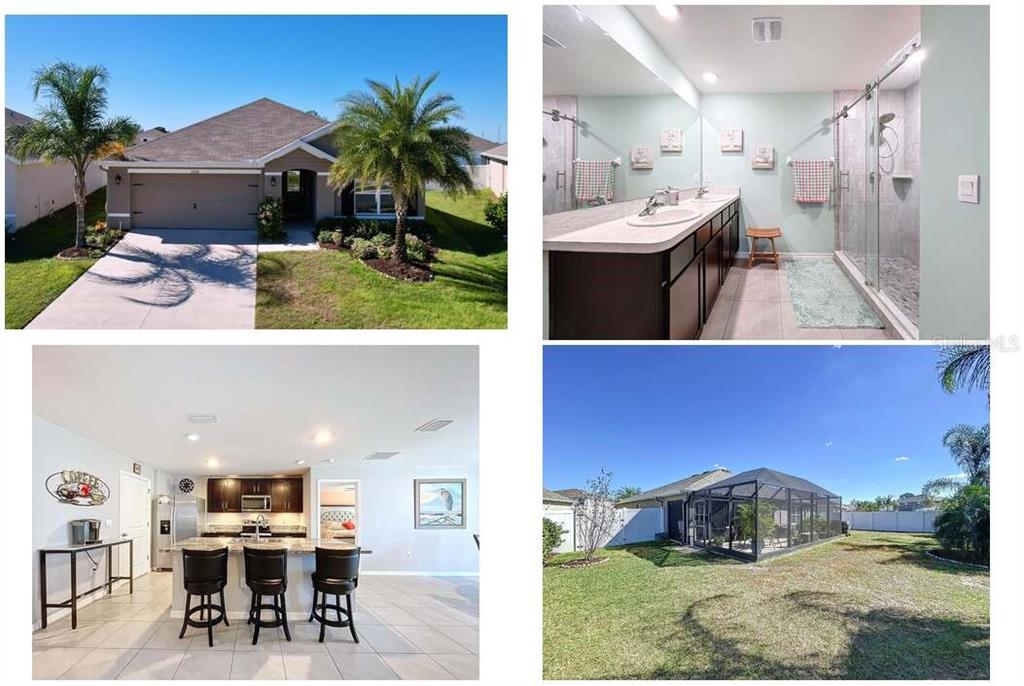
[201,418]
[435,425]
[552,42]
[380,455]
[766,29]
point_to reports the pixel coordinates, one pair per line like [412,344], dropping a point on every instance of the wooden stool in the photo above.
[771,234]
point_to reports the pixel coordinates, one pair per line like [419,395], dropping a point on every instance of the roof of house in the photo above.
[552,497]
[681,487]
[499,152]
[15,118]
[149,135]
[573,493]
[776,478]
[478,144]
[243,134]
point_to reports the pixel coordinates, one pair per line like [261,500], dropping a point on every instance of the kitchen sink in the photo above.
[664,217]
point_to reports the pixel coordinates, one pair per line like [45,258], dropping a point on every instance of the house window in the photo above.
[372,200]
[293,181]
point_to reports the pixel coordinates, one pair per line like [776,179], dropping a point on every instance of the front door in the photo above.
[675,517]
[133,516]
[298,194]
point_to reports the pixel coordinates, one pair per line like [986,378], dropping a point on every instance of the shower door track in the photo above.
[888,311]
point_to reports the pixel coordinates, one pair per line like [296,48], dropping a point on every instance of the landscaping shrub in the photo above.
[416,249]
[270,220]
[325,236]
[496,213]
[344,224]
[963,524]
[384,245]
[552,537]
[99,235]
[363,249]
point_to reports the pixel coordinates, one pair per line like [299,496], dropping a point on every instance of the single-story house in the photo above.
[917,502]
[497,168]
[34,189]
[750,515]
[480,145]
[214,173]
[562,511]
[149,135]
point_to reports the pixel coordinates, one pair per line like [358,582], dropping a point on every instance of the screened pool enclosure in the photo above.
[762,512]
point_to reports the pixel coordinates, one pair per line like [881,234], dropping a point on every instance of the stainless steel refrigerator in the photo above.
[177,518]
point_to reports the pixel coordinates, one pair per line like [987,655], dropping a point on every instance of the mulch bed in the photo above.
[404,271]
[576,564]
[953,556]
[78,253]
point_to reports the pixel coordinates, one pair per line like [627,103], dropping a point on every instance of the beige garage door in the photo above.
[195,201]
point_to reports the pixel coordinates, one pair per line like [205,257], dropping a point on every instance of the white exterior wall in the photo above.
[637,525]
[564,516]
[917,521]
[33,190]
[497,176]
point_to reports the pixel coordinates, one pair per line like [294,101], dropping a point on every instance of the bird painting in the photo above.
[440,504]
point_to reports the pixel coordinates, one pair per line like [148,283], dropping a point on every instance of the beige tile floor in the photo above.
[409,628]
[755,304]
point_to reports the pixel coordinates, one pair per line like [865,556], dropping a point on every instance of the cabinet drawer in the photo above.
[680,256]
[716,221]
[703,235]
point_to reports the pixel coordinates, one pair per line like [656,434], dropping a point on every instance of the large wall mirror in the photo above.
[613,131]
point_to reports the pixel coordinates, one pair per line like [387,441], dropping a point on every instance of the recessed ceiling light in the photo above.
[192,437]
[710,77]
[329,460]
[668,12]
[212,462]
[209,418]
[323,436]
[380,455]
[435,425]
[300,462]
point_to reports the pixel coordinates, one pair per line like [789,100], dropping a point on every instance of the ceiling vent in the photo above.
[552,42]
[380,455]
[766,29]
[201,418]
[435,425]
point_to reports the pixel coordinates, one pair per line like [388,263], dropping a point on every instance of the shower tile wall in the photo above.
[850,144]
[558,154]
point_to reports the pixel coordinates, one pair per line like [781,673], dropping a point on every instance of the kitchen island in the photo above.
[301,564]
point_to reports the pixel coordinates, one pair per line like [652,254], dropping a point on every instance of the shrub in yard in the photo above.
[384,243]
[270,220]
[552,537]
[325,237]
[344,224]
[101,236]
[496,213]
[363,249]
[963,524]
[596,517]
[416,249]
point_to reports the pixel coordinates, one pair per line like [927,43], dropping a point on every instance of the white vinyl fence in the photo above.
[917,521]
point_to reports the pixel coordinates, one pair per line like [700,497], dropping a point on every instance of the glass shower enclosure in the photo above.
[877,148]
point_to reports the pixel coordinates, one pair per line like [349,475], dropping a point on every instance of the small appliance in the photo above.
[255,503]
[85,531]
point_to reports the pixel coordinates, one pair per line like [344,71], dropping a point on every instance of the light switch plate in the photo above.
[967,188]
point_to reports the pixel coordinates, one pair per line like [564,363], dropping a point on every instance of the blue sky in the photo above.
[174,71]
[859,420]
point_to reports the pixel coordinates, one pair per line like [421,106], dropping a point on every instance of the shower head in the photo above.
[886,118]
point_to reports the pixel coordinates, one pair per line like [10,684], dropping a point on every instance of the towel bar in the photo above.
[789,160]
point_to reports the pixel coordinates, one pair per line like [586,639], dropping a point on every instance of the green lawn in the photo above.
[331,289]
[868,606]
[33,277]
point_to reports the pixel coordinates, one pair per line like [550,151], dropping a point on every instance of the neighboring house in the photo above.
[213,174]
[917,502]
[34,189]
[479,146]
[630,526]
[149,135]
[751,515]
[562,511]
[497,168]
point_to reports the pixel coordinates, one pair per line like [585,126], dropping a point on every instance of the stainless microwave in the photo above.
[255,503]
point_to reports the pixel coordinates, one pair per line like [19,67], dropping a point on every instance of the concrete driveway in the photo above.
[164,279]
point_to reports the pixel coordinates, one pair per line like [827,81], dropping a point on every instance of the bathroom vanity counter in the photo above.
[615,281]
[617,236]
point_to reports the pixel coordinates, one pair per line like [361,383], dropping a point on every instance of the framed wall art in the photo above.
[731,140]
[440,503]
[762,157]
[671,140]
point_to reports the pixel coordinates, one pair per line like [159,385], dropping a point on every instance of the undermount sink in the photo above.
[664,217]
[710,197]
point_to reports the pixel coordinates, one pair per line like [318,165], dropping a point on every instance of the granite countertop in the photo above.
[292,545]
[616,236]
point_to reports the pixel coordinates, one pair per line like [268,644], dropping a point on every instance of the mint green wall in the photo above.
[954,140]
[792,123]
[615,124]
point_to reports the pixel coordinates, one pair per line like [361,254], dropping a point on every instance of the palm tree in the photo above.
[397,137]
[964,366]
[886,502]
[627,492]
[71,126]
[969,448]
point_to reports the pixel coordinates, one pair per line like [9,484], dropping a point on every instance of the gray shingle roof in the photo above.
[15,118]
[149,135]
[552,497]
[499,152]
[574,493]
[764,475]
[681,487]
[479,144]
[243,134]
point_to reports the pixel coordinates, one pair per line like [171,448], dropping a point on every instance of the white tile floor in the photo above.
[755,304]
[409,628]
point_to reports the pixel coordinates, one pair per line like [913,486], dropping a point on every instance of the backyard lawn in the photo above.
[331,289]
[33,276]
[868,606]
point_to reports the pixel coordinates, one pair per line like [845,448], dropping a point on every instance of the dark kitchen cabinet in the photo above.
[643,296]
[224,495]
[286,495]
[256,486]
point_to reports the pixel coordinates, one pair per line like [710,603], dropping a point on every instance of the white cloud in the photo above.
[828,444]
[961,475]
[902,458]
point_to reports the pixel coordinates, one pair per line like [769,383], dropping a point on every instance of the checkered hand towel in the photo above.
[595,180]
[810,180]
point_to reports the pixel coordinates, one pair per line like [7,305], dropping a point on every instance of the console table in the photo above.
[72,552]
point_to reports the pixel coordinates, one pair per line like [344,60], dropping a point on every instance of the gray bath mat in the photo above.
[824,298]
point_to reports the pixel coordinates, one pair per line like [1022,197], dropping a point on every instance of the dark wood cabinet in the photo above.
[286,495]
[256,486]
[613,296]
[224,495]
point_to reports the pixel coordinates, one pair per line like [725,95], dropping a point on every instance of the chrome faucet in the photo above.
[262,523]
[653,203]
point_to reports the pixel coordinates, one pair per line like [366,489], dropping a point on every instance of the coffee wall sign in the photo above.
[74,487]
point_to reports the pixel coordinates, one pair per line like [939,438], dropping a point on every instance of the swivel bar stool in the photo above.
[337,574]
[266,573]
[206,573]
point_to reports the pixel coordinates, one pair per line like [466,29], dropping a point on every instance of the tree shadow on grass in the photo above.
[47,236]
[672,555]
[911,551]
[464,235]
[274,275]
[484,283]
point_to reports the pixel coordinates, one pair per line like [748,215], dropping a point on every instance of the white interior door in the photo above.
[134,515]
